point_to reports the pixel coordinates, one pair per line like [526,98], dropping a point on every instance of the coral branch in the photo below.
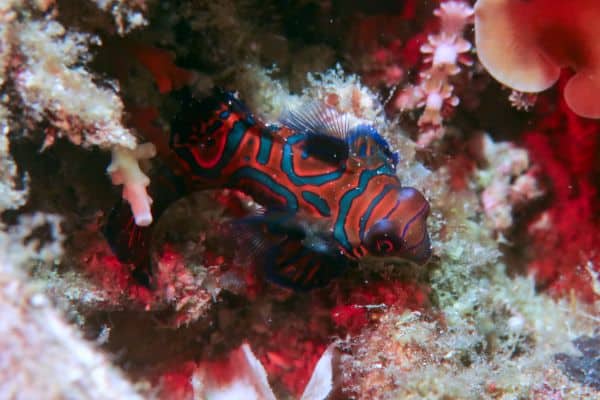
[125,170]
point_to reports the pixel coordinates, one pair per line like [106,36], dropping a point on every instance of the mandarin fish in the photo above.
[327,182]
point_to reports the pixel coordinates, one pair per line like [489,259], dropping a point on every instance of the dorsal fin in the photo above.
[334,136]
[325,129]
[317,118]
[367,144]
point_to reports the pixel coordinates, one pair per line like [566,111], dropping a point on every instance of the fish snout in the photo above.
[420,253]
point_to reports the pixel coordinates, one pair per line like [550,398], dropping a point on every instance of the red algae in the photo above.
[176,383]
[114,278]
[364,303]
[160,63]
[565,146]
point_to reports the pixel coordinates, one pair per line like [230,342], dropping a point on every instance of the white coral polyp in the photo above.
[445,54]
[454,15]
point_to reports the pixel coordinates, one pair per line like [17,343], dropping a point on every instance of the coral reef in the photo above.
[508,306]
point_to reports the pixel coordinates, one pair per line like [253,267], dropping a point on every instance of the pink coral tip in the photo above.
[143,219]
[140,202]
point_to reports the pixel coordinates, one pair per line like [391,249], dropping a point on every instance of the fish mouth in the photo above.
[419,259]
[421,253]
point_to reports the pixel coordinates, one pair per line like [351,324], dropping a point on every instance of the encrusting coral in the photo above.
[35,338]
[47,73]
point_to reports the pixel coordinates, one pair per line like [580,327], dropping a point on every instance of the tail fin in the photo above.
[132,243]
[204,136]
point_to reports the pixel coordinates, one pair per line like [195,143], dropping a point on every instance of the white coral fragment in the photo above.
[125,170]
[321,382]
[242,376]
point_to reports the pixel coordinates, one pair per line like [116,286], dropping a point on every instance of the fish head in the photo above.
[402,234]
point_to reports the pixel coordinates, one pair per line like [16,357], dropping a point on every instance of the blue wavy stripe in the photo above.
[365,217]
[264,150]
[268,182]
[317,201]
[346,202]
[234,138]
[414,218]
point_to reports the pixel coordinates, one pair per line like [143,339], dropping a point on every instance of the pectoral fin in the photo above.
[132,243]
[294,265]
[293,253]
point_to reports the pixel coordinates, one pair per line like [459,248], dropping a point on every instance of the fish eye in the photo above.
[382,238]
[384,246]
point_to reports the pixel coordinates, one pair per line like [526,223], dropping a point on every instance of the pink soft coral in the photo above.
[444,52]
[524,45]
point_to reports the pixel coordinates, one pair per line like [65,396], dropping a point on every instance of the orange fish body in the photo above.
[329,187]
